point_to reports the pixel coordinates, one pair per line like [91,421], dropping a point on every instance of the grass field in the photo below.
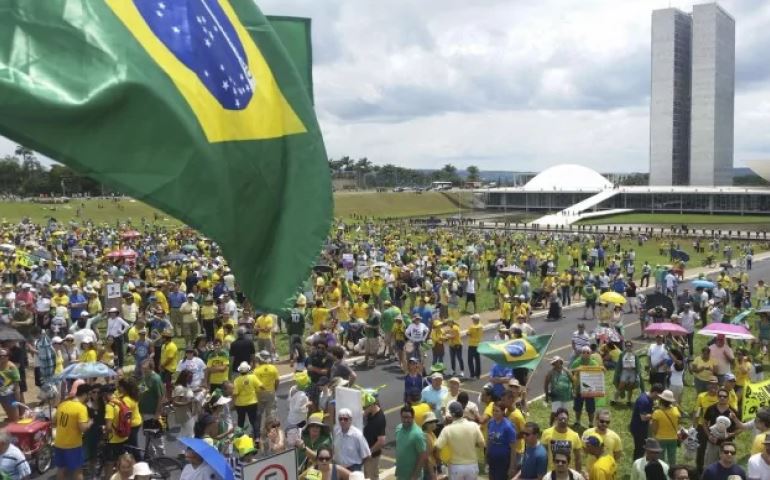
[676,219]
[402,204]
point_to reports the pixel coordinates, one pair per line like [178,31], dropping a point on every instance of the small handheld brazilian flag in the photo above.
[193,106]
[517,353]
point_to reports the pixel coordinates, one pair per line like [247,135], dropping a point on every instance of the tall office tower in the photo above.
[670,98]
[713,96]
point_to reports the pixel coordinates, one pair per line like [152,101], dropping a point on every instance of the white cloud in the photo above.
[503,84]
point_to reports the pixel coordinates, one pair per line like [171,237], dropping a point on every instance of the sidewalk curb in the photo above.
[542,313]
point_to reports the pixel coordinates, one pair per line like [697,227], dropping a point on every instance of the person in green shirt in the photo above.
[584,360]
[558,386]
[295,328]
[151,399]
[411,449]
[388,319]
[315,435]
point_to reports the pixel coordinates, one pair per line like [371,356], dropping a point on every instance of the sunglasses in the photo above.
[604,422]
[729,452]
[560,462]
[324,459]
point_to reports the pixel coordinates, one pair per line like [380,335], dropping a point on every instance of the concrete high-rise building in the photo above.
[692,96]
[670,98]
[713,96]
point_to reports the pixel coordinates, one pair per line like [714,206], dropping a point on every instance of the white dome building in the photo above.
[568,177]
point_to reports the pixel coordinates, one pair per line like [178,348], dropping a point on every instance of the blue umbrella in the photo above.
[87,370]
[680,255]
[741,316]
[210,455]
[702,284]
[764,309]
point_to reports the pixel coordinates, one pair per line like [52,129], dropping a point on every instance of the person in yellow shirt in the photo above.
[71,421]
[664,425]
[162,301]
[399,341]
[475,334]
[128,393]
[506,308]
[605,467]
[561,437]
[268,376]
[455,346]
[246,388]
[360,309]
[437,337]
[88,353]
[115,445]
[264,326]
[168,352]
[217,366]
[612,442]
[319,316]
[208,314]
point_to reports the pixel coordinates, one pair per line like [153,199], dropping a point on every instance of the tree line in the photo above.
[22,174]
[369,175]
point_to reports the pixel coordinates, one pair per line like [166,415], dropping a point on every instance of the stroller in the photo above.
[554,308]
[538,298]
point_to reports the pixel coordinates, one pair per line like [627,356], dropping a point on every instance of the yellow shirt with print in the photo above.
[218,360]
[475,332]
[168,356]
[220,334]
[366,287]
[69,415]
[208,312]
[551,435]
[245,390]
[88,356]
[437,336]
[60,300]
[133,334]
[264,324]
[267,375]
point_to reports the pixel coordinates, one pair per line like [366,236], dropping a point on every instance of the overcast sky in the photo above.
[507,84]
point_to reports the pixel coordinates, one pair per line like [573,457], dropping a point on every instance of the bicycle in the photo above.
[162,465]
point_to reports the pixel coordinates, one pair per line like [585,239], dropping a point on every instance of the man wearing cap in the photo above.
[72,422]
[189,311]
[558,387]
[267,374]
[246,388]
[375,435]
[435,393]
[350,447]
[605,467]
[759,463]
[463,438]
[652,451]
[175,301]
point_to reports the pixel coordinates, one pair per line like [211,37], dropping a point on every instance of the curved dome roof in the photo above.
[568,177]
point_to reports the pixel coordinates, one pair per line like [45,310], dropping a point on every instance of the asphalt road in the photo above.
[390,375]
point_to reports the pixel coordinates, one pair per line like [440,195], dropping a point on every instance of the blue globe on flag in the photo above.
[516,348]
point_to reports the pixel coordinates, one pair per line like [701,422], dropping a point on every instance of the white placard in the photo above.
[350,398]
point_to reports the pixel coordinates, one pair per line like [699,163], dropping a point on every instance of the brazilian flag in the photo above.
[193,106]
[517,353]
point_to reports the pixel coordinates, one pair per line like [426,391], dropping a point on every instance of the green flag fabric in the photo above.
[294,33]
[190,105]
[517,353]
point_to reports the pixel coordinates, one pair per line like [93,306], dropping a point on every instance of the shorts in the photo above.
[114,450]
[590,303]
[628,376]
[68,458]
[400,345]
[556,404]
[264,344]
[372,346]
[470,297]
[8,400]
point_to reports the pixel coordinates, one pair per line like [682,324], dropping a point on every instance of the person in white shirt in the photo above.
[231,309]
[116,327]
[13,463]
[350,447]
[470,293]
[195,365]
[687,317]
[759,463]
[658,355]
[197,469]
[652,451]
[129,310]
[416,333]
[189,311]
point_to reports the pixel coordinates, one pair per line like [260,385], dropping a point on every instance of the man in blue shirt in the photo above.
[435,393]
[175,300]
[78,303]
[534,462]
[640,418]
[498,377]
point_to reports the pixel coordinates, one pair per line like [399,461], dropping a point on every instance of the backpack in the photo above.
[123,419]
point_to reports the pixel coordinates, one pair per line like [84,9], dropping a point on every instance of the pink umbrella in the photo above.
[125,253]
[130,234]
[736,332]
[664,328]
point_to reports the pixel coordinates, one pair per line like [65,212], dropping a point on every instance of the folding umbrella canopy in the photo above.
[10,333]
[211,456]
[87,370]
[613,297]
[511,270]
[130,234]
[741,316]
[736,332]
[665,328]
[659,300]
[702,284]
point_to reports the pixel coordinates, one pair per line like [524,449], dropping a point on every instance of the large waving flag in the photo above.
[190,105]
[517,353]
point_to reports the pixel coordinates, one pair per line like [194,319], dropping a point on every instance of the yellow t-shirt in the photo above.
[454,336]
[218,360]
[136,416]
[475,332]
[518,420]
[758,445]
[69,415]
[245,388]
[667,420]
[703,402]
[360,310]
[612,444]
[398,332]
[605,468]
[420,410]
[551,439]
[220,335]
[742,373]
[88,356]
[168,356]
[703,375]
[111,412]
[133,334]
[319,317]
[208,312]
[264,322]
[267,375]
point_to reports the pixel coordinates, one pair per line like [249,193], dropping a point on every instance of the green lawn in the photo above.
[401,204]
[676,219]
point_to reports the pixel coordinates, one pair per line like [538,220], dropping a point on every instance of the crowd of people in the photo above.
[191,357]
